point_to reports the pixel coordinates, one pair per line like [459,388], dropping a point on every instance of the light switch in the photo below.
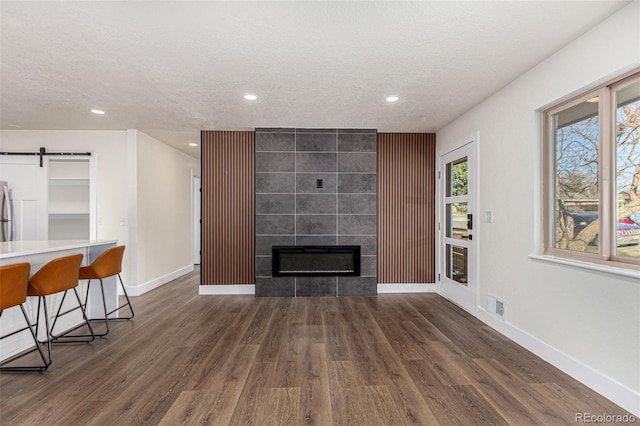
[487,216]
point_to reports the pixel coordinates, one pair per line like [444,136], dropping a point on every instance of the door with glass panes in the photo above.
[457,244]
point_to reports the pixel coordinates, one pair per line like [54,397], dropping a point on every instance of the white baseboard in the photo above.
[157,282]
[229,289]
[251,289]
[407,288]
[605,386]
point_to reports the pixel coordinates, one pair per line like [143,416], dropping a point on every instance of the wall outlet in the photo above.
[124,222]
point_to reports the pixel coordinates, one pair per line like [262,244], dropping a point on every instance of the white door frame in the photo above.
[464,296]
[196,184]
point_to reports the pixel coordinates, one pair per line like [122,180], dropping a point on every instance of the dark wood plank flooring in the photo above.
[218,360]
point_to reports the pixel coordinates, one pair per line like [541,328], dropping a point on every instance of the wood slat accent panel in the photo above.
[406,207]
[228,207]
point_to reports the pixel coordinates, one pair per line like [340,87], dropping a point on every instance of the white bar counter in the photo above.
[38,253]
[13,249]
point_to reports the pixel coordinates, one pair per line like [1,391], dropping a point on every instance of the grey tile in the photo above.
[368,243]
[374,131]
[275,182]
[275,142]
[316,142]
[275,225]
[275,203]
[357,183]
[308,183]
[275,162]
[276,287]
[357,162]
[303,130]
[263,266]
[356,225]
[264,243]
[316,240]
[315,224]
[357,286]
[316,286]
[275,130]
[315,203]
[368,266]
[357,203]
[316,162]
[357,142]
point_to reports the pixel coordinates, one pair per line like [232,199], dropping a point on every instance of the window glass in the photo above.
[457,261]
[457,226]
[627,153]
[576,145]
[457,178]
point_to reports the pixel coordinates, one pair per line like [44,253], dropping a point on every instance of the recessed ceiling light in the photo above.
[250,97]
[193,144]
[391,98]
[97,111]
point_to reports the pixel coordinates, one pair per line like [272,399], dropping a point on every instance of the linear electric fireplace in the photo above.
[315,260]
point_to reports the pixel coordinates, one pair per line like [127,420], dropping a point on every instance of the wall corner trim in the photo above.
[408,288]
[228,289]
[616,392]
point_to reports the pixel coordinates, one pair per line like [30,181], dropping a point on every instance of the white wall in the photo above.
[164,215]
[589,319]
[110,150]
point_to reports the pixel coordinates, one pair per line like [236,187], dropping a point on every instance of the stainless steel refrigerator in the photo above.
[7,224]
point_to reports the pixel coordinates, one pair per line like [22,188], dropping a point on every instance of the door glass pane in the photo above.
[457,221]
[457,177]
[575,190]
[627,220]
[457,263]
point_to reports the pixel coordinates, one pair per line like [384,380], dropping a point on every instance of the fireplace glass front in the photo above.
[315,260]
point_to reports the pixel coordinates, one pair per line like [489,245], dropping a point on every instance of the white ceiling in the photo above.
[171,69]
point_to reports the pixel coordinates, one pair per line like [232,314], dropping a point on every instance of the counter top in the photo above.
[10,249]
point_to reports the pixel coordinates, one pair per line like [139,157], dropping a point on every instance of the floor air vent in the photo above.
[496,306]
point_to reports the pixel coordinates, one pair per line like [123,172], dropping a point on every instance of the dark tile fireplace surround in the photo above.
[316,188]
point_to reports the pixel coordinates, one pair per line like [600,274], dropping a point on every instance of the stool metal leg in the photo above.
[40,368]
[104,309]
[65,337]
[124,304]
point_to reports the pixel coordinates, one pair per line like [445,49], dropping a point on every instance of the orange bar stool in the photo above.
[59,275]
[107,265]
[14,280]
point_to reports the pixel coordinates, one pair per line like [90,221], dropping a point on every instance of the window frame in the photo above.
[607,197]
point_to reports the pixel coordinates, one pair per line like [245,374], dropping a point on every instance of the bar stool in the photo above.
[59,275]
[14,280]
[107,265]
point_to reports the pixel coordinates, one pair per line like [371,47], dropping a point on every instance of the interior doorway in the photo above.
[196,219]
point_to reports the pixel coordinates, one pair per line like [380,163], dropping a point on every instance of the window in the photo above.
[592,162]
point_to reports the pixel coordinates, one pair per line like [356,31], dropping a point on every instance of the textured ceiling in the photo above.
[171,69]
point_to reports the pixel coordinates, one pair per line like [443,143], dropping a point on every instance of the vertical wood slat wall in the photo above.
[228,209]
[406,207]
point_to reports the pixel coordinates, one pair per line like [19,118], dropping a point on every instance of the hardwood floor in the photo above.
[392,360]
